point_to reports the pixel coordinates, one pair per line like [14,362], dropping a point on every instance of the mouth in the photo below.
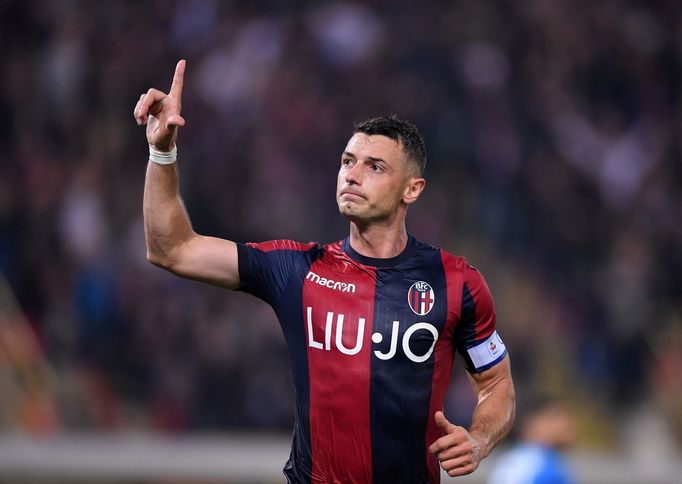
[351,194]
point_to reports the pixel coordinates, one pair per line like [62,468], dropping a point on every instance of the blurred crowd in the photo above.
[553,131]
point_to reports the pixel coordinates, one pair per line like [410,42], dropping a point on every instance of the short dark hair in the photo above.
[401,131]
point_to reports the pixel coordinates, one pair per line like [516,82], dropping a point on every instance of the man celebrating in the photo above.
[371,322]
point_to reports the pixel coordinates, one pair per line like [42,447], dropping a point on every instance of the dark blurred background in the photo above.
[553,130]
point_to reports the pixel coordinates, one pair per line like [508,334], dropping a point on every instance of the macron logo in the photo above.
[323,281]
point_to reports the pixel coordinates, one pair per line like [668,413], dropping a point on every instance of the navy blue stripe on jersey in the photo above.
[476,325]
[268,271]
[289,309]
[265,268]
[400,388]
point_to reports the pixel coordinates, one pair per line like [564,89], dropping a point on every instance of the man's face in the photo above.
[374,179]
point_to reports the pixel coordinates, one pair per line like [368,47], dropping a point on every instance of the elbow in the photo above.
[154,259]
[158,252]
[158,259]
[165,255]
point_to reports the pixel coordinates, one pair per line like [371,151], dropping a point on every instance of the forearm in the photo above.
[166,222]
[494,414]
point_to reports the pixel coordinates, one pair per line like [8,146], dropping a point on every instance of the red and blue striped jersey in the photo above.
[371,343]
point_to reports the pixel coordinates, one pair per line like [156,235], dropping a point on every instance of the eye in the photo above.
[377,168]
[346,161]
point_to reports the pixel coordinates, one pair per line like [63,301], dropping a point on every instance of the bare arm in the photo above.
[494,414]
[171,241]
[460,451]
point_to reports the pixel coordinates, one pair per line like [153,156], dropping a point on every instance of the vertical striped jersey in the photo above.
[371,343]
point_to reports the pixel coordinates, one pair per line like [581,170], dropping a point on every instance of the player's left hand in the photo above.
[458,452]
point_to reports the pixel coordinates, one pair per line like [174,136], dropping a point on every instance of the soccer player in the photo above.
[371,322]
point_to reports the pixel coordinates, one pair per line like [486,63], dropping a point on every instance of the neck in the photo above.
[377,240]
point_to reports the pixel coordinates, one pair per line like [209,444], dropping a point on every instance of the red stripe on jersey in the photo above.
[443,355]
[484,322]
[271,245]
[415,301]
[339,382]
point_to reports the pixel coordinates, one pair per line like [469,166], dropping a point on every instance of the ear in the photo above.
[414,188]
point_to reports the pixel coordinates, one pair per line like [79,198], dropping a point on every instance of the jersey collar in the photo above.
[379,262]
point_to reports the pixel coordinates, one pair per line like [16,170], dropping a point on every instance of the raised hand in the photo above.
[457,450]
[161,112]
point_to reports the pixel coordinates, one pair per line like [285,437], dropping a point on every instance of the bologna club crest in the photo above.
[420,298]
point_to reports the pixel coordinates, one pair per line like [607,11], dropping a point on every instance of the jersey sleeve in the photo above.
[265,268]
[476,337]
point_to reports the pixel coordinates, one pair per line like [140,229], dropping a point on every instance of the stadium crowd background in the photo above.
[554,135]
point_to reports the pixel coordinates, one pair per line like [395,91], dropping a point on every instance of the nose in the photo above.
[354,175]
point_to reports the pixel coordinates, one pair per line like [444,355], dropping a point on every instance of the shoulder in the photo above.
[456,267]
[458,264]
[283,244]
[335,247]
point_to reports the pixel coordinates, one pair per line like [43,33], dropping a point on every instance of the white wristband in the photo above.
[163,157]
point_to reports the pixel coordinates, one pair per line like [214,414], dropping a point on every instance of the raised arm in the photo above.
[171,242]
[460,450]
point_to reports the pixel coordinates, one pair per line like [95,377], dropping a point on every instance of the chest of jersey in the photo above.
[384,313]
[372,337]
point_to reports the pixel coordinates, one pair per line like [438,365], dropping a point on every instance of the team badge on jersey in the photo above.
[420,297]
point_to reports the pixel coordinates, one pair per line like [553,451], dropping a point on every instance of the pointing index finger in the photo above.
[178,79]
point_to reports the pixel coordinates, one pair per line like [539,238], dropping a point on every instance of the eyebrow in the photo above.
[370,158]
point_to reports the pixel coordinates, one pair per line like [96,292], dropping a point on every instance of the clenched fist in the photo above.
[458,452]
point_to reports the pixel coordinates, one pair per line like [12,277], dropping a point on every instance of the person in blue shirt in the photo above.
[547,427]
